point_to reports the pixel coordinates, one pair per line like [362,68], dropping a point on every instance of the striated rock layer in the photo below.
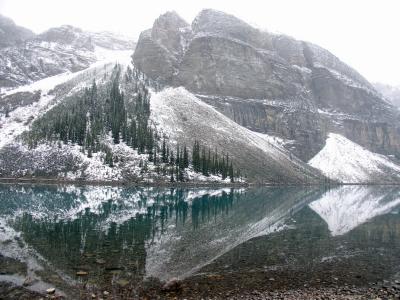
[268,83]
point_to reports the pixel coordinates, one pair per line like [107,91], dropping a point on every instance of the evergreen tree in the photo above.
[185,157]
[231,175]
[164,151]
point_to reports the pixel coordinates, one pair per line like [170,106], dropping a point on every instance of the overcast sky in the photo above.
[363,33]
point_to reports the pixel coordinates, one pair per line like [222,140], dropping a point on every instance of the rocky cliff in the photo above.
[268,83]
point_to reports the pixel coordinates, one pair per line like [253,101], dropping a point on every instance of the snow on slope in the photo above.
[185,118]
[348,162]
[347,207]
[19,119]
[104,56]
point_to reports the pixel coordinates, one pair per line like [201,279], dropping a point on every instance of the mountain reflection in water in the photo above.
[124,234]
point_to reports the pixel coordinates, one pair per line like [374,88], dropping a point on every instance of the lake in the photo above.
[128,240]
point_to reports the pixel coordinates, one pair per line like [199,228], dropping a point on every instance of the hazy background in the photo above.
[363,33]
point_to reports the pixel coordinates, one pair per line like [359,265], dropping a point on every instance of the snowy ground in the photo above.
[348,162]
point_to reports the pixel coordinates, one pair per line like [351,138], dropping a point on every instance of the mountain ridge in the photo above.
[55,51]
[223,58]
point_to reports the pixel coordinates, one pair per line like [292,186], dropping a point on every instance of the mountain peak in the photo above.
[10,33]
[67,34]
[210,20]
[170,20]
[5,21]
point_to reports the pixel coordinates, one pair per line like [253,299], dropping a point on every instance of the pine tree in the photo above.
[172,158]
[172,175]
[185,157]
[164,151]
[231,175]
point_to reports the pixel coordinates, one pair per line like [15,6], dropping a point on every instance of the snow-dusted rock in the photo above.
[237,65]
[185,118]
[347,162]
[57,50]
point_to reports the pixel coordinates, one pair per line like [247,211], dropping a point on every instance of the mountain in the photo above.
[184,118]
[392,93]
[11,34]
[36,141]
[55,51]
[268,83]
[213,101]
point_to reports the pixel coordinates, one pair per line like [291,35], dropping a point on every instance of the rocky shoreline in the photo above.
[180,290]
[241,285]
[189,184]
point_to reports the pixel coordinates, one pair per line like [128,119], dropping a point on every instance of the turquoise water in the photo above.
[119,235]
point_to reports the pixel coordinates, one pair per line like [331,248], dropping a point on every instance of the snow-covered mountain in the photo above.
[11,34]
[263,104]
[184,118]
[268,83]
[345,161]
[30,111]
[175,113]
[53,52]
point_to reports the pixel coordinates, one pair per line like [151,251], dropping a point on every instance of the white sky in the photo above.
[363,33]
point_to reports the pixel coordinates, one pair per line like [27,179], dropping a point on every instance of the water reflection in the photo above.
[120,235]
[346,207]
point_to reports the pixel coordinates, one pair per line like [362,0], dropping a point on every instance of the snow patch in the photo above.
[348,162]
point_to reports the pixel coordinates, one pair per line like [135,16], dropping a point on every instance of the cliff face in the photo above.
[268,83]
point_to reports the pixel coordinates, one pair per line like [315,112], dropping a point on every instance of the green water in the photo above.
[120,236]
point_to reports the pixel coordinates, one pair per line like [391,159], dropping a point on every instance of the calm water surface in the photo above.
[120,236]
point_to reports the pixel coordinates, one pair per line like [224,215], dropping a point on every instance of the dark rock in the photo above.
[28,281]
[173,285]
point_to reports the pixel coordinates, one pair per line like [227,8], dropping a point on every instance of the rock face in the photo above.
[11,34]
[269,83]
[55,51]
[391,93]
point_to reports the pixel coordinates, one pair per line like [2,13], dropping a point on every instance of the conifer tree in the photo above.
[185,157]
